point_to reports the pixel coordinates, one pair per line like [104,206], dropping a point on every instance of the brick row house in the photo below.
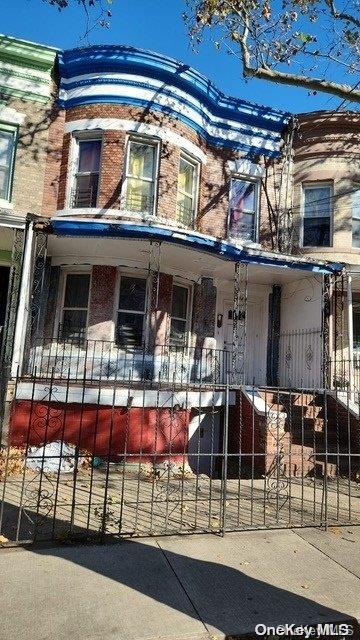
[164,273]
[26,112]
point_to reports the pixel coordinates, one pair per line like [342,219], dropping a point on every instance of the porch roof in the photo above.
[191,240]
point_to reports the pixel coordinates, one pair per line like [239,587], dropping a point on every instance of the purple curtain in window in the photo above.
[89,156]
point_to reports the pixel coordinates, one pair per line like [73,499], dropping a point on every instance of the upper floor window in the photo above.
[356,218]
[187,191]
[179,316]
[87,174]
[243,210]
[131,312]
[7,147]
[317,207]
[74,308]
[140,176]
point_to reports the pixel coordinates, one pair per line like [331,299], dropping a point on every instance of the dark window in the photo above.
[7,144]
[243,209]
[356,321]
[131,313]
[317,215]
[179,310]
[87,176]
[75,306]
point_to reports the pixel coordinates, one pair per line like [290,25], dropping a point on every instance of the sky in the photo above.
[156,25]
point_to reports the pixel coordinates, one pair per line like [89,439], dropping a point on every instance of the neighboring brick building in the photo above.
[27,110]
[326,216]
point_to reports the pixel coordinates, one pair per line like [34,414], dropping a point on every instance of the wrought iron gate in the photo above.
[104,443]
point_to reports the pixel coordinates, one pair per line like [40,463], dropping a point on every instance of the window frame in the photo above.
[189,288]
[131,274]
[195,191]
[315,184]
[357,192]
[257,182]
[14,131]
[77,137]
[155,143]
[65,272]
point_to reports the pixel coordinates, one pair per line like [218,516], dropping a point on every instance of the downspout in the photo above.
[350,330]
[24,303]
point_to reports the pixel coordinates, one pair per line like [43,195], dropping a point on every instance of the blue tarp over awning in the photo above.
[209,245]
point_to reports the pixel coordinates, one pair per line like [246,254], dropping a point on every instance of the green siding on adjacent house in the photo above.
[25,69]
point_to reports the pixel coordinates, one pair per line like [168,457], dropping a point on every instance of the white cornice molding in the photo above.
[11,116]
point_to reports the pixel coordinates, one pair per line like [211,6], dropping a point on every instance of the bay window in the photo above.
[187,191]
[87,175]
[179,316]
[131,311]
[243,209]
[317,210]
[140,176]
[7,147]
[74,311]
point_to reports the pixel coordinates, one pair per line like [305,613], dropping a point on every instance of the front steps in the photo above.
[319,434]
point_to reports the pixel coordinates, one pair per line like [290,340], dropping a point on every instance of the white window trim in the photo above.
[154,142]
[10,128]
[196,186]
[313,185]
[177,282]
[61,298]
[257,183]
[73,162]
[145,329]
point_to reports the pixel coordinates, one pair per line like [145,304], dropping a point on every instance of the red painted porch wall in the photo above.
[103,430]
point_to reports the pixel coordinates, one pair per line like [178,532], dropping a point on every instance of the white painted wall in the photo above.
[301,304]
[300,352]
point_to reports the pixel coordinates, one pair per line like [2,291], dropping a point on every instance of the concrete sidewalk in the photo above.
[191,588]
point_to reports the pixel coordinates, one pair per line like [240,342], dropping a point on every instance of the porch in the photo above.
[144,310]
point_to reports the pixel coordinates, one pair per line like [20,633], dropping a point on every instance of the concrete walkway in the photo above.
[193,588]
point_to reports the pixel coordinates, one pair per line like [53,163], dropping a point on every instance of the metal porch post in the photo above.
[239,324]
[350,330]
[326,313]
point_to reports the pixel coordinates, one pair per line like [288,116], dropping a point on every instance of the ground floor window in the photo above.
[356,321]
[179,316]
[74,312]
[131,311]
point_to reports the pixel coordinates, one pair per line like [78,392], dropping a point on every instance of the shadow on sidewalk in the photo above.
[223,598]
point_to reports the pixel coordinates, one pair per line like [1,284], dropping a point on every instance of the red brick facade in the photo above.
[214,178]
[102,302]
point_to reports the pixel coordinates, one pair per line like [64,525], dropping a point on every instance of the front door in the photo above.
[253,341]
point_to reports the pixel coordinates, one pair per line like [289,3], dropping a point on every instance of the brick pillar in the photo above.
[204,308]
[160,309]
[63,171]
[111,171]
[102,301]
[167,182]
[53,161]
